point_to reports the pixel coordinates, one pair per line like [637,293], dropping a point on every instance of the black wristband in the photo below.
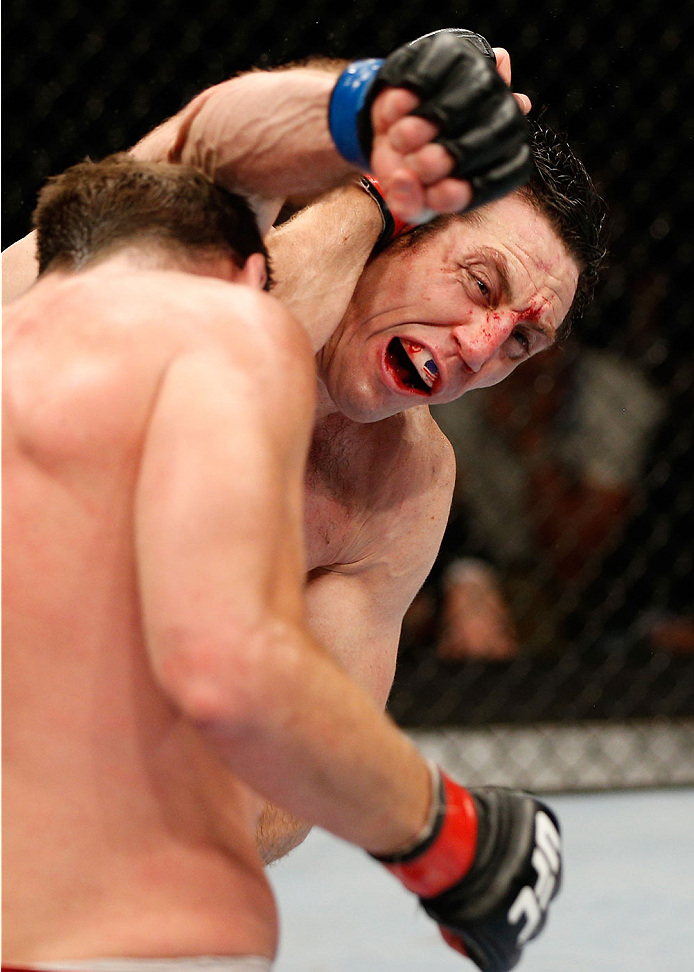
[393,226]
[388,231]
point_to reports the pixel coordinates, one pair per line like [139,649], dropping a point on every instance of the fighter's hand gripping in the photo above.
[487,870]
[453,75]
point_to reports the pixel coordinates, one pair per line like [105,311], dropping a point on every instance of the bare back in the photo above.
[148,834]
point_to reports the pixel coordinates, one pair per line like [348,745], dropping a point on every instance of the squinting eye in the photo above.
[523,340]
[484,289]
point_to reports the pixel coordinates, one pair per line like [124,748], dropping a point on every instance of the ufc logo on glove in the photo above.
[531,903]
[486,870]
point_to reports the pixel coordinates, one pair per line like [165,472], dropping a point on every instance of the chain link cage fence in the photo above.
[553,644]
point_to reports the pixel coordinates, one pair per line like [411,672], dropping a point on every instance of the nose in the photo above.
[478,341]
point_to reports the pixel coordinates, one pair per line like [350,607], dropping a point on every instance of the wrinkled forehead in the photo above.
[513,222]
[524,247]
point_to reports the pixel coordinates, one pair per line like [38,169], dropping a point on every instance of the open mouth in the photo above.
[412,365]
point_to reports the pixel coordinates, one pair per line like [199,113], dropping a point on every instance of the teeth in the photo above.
[425,365]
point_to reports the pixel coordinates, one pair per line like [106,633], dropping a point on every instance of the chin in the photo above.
[364,403]
[358,408]
[366,412]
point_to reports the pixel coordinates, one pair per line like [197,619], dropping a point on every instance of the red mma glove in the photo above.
[486,871]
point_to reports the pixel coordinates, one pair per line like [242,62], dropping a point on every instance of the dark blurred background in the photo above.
[564,587]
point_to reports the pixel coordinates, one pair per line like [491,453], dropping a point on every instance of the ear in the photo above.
[254,271]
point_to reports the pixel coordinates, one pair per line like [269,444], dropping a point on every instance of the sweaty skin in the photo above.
[148,829]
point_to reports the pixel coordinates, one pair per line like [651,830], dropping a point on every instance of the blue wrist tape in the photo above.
[346,101]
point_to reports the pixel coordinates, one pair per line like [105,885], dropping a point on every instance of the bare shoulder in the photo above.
[418,453]
[19,268]
[429,442]
[162,311]
[203,308]
[100,337]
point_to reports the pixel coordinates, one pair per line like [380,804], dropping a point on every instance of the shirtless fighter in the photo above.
[167,671]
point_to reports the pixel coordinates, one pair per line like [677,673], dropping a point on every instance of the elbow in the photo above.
[229,687]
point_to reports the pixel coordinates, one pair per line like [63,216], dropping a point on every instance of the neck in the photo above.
[325,406]
[133,258]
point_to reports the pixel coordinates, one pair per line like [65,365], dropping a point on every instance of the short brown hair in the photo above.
[94,206]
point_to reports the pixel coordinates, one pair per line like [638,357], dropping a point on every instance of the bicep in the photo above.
[218,537]
[357,612]
[358,617]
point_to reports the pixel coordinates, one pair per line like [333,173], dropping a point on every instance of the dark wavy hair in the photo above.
[93,207]
[562,190]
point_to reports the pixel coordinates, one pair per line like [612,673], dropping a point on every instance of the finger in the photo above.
[405,195]
[503,66]
[524,103]
[411,133]
[430,163]
[503,63]
[390,106]
[385,161]
[449,196]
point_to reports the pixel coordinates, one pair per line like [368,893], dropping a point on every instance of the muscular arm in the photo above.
[265,134]
[356,611]
[318,256]
[221,576]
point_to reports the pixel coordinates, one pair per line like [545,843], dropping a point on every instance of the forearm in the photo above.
[294,727]
[264,134]
[318,256]
[19,268]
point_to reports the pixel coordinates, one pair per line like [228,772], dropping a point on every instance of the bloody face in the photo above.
[459,309]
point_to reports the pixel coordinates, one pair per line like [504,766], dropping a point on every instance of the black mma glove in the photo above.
[486,871]
[453,72]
